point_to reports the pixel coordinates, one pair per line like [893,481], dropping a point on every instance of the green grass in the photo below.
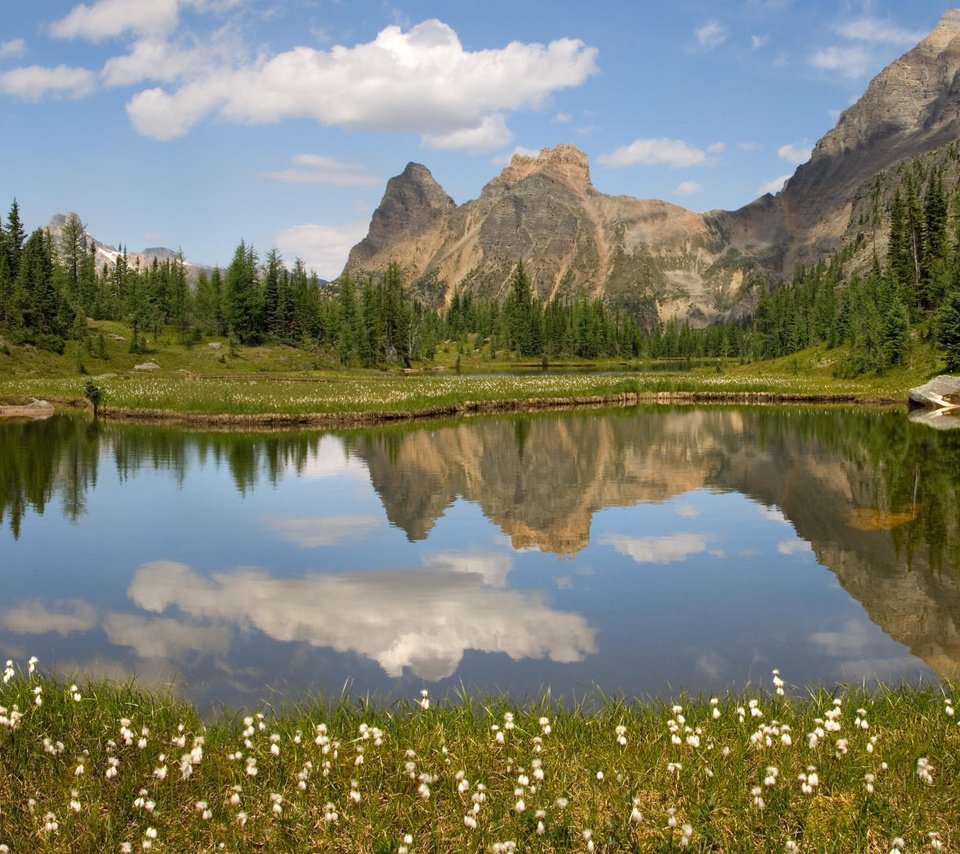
[725,783]
[285,382]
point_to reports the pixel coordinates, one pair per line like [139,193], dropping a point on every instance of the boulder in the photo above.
[936,392]
[147,366]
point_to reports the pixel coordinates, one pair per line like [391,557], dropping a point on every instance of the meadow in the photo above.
[109,767]
[279,384]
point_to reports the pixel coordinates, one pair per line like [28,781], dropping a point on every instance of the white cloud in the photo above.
[423,619]
[794,547]
[521,151]
[666,549]
[332,460]
[757,42]
[774,186]
[491,133]
[687,511]
[749,147]
[655,152]
[106,18]
[152,59]
[492,567]
[849,61]
[322,248]
[711,34]
[716,148]
[35,82]
[877,31]
[420,81]
[795,154]
[163,638]
[317,169]
[12,49]
[687,188]
[563,118]
[63,617]
[318,531]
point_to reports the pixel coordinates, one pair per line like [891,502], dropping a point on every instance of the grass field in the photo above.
[105,767]
[211,380]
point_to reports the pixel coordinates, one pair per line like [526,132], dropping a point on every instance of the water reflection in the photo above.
[692,544]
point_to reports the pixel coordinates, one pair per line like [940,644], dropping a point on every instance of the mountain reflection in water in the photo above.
[639,550]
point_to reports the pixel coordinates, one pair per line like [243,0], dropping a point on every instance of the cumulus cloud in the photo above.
[107,18]
[35,82]
[716,148]
[794,547]
[318,169]
[711,34]
[687,188]
[795,153]
[655,152]
[322,248]
[849,61]
[12,49]
[757,42]
[492,567]
[420,81]
[314,532]
[667,549]
[164,638]
[491,133]
[62,617]
[520,150]
[422,619]
[774,186]
[332,460]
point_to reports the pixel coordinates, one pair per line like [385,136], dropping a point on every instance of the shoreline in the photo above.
[465,408]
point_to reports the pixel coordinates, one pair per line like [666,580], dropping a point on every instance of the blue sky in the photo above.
[195,123]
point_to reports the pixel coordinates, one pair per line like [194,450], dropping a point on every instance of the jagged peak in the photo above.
[564,163]
[945,32]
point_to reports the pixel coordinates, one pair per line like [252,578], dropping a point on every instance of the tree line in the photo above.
[50,286]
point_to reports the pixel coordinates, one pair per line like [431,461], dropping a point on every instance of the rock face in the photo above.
[654,258]
[940,391]
[910,108]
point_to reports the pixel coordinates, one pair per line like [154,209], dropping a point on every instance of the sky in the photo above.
[193,124]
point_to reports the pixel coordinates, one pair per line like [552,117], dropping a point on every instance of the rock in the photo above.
[934,392]
[938,419]
[34,409]
[214,345]
[114,337]
[147,366]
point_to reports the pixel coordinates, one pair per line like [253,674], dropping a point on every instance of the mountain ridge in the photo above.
[654,258]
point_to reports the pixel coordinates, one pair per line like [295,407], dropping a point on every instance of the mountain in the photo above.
[106,254]
[657,259]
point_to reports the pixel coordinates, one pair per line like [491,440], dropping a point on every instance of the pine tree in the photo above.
[948,326]
[243,296]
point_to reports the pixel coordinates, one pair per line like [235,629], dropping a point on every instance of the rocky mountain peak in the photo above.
[564,163]
[945,32]
[411,204]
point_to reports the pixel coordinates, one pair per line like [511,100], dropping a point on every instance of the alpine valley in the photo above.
[660,261]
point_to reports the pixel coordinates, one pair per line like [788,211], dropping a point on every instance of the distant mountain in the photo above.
[106,254]
[657,259]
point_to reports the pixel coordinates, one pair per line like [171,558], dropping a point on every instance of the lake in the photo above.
[640,551]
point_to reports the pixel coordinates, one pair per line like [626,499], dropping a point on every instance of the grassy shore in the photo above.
[212,382]
[110,768]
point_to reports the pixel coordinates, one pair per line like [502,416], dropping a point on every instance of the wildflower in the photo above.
[541,828]
[600,775]
[936,843]
[674,768]
[126,848]
[757,794]
[277,801]
[424,791]
[635,815]
[424,701]
[587,837]
[869,780]
[75,693]
[925,770]
[32,664]
[897,845]
[686,834]
[545,727]
[74,800]
[778,683]
[809,780]
[771,778]
[38,696]
[519,806]
[791,847]
[241,818]
[561,803]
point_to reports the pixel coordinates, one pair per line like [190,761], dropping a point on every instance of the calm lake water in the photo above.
[642,551]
